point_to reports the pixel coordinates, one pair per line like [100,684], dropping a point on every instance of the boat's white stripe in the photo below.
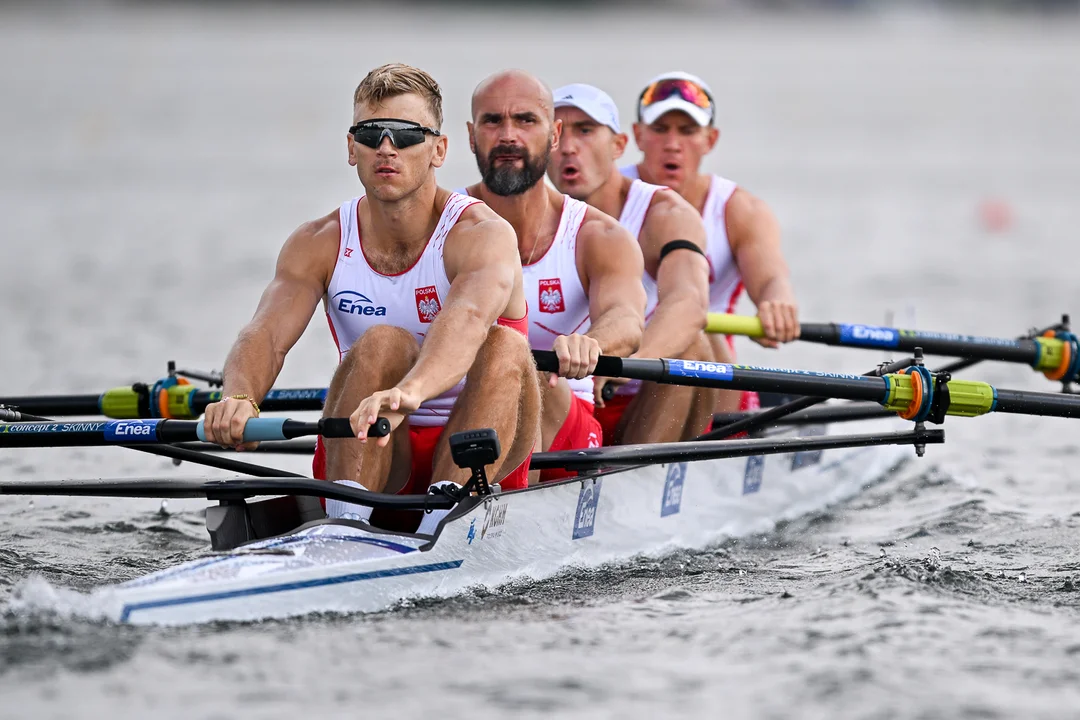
[289,540]
[285,587]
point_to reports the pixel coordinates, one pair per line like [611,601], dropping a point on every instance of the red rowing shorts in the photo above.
[580,430]
[749,401]
[612,412]
[423,441]
[609,416]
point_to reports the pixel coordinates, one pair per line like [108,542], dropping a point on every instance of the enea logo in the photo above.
[673,486]
[585,515]
[869,336]
[697,369]
[131,431]
[351,302]
[755,471]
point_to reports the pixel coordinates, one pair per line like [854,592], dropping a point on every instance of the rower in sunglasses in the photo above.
[676,278]
[423,293]
[676,128]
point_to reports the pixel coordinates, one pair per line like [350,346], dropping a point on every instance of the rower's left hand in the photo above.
[393,404]
[577,354]
[780,321]
[599,383]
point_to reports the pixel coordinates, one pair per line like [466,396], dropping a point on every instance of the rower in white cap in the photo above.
[676,279]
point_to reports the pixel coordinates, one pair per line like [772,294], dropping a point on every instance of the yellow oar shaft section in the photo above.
[725,324]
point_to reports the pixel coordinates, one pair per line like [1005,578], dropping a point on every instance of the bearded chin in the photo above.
[507,180]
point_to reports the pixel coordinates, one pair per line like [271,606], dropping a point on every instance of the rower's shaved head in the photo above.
[513,130]
[518,84]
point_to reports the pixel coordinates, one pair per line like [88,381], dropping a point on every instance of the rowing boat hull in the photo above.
[530,534]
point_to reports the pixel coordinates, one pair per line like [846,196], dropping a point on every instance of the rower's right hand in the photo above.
[393,404]
[577,354]
[224,423]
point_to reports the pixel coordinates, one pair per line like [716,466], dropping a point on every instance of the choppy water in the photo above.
[153,161]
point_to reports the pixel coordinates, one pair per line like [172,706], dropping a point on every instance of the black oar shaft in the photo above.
[718,449]
[1017,402]
[848,387]
[767,417]
[138,403]
[130,432]
[58,405]
[865,336]
[172,452]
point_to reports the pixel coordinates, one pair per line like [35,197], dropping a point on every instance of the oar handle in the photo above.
[725,324]
[262,429]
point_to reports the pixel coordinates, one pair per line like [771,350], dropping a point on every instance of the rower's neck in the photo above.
[695,189]
[405,224]
[530,215]
[610,197]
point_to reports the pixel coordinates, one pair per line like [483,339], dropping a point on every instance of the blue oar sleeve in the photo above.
[256,430]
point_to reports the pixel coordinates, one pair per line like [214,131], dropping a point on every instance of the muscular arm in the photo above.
[754,235]
[303,271]
[682,279]
[612,264]
[484,269]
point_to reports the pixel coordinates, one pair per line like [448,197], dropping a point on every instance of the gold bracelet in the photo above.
[250,400]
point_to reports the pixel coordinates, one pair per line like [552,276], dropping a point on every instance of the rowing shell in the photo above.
[335,566]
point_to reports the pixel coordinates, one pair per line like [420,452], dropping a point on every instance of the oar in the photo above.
[1055,354]
[824,415]
[773,416]
[178,401]
[224,489]
[172,452]
[635,455]
[130,432]
[915,394]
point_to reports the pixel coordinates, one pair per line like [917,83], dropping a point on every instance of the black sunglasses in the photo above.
[402,133]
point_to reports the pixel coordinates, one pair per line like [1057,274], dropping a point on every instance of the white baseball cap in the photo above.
[677,91]
[590,100]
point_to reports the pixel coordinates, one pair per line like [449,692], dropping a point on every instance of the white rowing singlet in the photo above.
[359,297]
[553,288]
[725,283]
[632,217]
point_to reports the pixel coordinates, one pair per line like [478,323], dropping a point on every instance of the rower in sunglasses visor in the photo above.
[423,294]
[676,273]
[581,269]
[676,128]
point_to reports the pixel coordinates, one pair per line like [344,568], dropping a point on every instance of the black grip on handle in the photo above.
[381,428]
[608,392]
[341,428]
[606,366]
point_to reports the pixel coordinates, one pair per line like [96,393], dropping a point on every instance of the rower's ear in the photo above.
[556,134]
[472,139]
[638,130]
[349,142]
[439,156]
[714,136]
[619,145]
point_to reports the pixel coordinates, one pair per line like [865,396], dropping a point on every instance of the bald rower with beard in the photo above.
[581,270]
